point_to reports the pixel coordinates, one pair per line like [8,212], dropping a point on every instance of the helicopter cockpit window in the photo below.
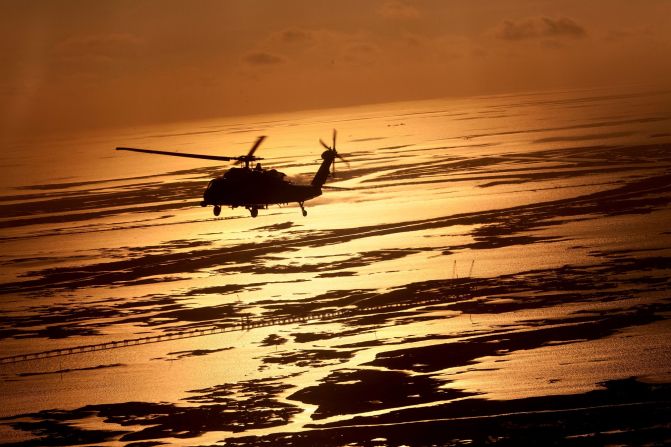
[209,185]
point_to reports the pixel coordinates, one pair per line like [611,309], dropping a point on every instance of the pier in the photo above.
[246,324]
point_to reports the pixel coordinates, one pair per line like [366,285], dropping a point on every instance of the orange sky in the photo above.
[69,66]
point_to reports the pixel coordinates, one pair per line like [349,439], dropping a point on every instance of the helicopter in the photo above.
[256,188]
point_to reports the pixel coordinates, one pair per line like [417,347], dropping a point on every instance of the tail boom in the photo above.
[322,173]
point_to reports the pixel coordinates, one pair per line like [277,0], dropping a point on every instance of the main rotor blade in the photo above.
[256,146]
[335,132]
[343,159]
[178,154]
[337,188]
[324,144]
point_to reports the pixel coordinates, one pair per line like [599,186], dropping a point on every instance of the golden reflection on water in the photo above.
[570,368]
[421,196]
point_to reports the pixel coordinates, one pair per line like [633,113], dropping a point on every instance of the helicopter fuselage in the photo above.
[251,188]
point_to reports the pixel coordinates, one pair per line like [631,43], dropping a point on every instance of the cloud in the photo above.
[398,10]
[624,34]
[96,57]
[295,36]
[112,46]
[361,53]
[310,50]
[261,58]
[539,27]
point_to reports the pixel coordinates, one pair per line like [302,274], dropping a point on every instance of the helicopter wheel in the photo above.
[305,213]
[216,210]
[254,211]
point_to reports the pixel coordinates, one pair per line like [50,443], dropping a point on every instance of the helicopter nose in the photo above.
[210,193]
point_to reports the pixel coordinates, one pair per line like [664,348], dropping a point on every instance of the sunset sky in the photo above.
[70,66]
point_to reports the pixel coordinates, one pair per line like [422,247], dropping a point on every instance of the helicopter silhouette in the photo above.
[256,188]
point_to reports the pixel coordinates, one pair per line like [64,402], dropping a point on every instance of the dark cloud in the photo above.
[295,36]
[539,27]
[264,59]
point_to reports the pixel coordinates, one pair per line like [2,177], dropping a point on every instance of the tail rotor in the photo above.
[334,152]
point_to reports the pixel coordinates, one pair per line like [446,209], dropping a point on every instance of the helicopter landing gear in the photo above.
[216,210]
[305,213]
[254,211]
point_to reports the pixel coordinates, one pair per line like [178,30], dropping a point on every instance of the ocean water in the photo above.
[490,249]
